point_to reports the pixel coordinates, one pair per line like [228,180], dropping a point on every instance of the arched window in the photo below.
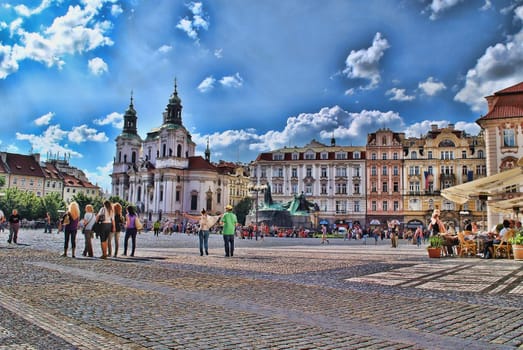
[179,151]
[119,157]
[139,194]
[125,158]
[133,157]
[164,150]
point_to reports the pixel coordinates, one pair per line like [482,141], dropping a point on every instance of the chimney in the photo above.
[36,156]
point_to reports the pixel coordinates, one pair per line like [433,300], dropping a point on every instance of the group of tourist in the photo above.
[106,225]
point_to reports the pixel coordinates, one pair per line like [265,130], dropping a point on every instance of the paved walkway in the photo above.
[279,293]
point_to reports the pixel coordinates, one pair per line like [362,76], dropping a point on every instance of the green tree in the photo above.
[82,199]
[52,203]
[117,199]
[27,203]
[242,209]
[2,181]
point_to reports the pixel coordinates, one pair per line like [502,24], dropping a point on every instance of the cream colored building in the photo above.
[332,176]
[442,158]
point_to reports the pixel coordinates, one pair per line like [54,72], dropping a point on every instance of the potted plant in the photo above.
[517,245]
[435,246]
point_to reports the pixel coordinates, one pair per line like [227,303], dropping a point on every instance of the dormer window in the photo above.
[277,156]
[310,155]
[295,156]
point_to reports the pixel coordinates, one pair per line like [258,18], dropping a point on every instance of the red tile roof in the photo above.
[198,163]
[505,103]
[24,165]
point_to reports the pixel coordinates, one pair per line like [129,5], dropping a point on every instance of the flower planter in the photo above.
[517,250]
[434,252]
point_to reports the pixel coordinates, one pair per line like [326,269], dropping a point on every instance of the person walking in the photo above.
[47,227]
[418,235]
[156,226]
[70,226]
[14,226]
[229,222]
[89,220]
[2,220]
[130,230]
[206,222]
[106,217]
[119,223]
[324,234]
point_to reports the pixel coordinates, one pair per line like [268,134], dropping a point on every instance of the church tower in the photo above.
[173,110]
[128,146]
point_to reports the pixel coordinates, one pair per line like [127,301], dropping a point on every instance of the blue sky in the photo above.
[252,75]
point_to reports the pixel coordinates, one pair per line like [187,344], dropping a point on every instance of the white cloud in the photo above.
[101,177]
[422,128]
[79,30]
[438,6]
[165,49]
[500,66]
[114,118]
[45,119]
[116,10]
[349,92]
[49,141]
[218,53]
[399,95]
[83,133]
[207,84]
[364,63]
[97,66]
[192,25]
[431,87]
[235,81]
[23,10]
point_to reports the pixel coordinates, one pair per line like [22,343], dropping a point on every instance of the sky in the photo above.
[253,76]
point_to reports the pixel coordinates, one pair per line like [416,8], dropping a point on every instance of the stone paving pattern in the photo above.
[279,293]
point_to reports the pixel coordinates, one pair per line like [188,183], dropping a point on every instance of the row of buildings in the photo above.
[54,175]
[392,180]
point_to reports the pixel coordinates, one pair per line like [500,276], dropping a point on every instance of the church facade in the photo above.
[161,174]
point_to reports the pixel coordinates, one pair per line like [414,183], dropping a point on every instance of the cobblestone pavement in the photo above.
[277,293]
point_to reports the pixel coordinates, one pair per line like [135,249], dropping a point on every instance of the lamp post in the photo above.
[257,189]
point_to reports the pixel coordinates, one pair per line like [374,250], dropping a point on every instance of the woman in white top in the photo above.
[107,213]
[206,222]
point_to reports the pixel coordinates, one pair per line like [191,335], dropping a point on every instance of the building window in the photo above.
[384,156]
[429,154]
[161,194]
[385,205]
[323,188]
[509,139]
[374,187]
[308,190]
[384,170]
[385,187]
[294,172]
[464,154]
[324,155]
[447,155]
[341,172]
[395,170]
[481,155]
[357,171]
[395,156]
[177,195]
[277,156]
[396,206]
[278,172]
[194,201]
[413,155]
[310,156]
[341,207]
[356,206]
[373,206]
[341,188]
[414,186]
[323,172]
[294,188]
[357,155]
[373,170]
[356,188]
[341,155]
[295,156]
[396,187]
[373,156]
[308,171]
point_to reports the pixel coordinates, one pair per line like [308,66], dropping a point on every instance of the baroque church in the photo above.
[161,174]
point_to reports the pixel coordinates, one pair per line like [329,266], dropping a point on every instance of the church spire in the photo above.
[208,152]
[173,111]
[129,119]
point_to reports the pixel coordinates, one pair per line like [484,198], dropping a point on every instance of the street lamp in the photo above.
[257,189]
